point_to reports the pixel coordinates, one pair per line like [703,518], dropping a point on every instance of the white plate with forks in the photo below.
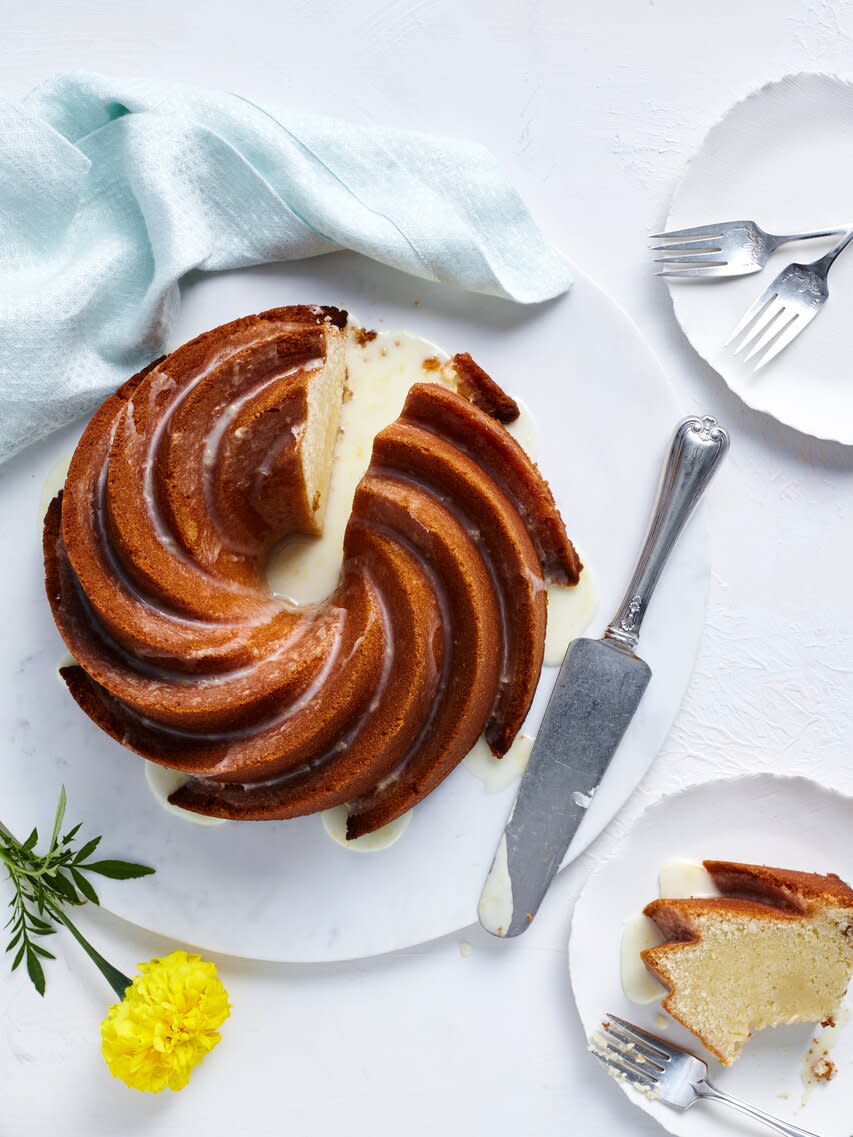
[783,156]
[790,822]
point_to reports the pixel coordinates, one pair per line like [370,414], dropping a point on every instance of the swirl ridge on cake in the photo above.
[155,556]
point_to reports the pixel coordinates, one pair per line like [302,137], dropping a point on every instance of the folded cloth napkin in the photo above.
[110,191]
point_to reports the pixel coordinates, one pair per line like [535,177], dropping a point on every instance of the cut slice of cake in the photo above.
[776,947]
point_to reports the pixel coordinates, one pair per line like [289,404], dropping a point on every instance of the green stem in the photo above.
[113,976]
[6,858]
[11,836]
[11,864]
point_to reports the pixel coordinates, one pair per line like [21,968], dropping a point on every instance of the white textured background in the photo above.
[594,108]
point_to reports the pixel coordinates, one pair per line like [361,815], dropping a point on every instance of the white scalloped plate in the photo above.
[782,157]
[284,890]
[759,819]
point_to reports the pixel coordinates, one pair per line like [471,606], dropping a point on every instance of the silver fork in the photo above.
[669,1074]
[727,248]
[787,306]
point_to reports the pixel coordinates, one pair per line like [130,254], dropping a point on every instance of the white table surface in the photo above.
[594,108]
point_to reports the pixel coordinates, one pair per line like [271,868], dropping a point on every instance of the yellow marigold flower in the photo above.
[166,1023]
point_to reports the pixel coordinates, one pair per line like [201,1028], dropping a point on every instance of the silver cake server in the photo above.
[598,689]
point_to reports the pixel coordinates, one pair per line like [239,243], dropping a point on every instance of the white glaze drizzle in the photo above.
[495,907]
[571,609]
[121,574]
[334,822]
[344,741]
[638,983]
[678,877]
[163,782]
[280,717]
[498,773]
[380,373]
[53,483]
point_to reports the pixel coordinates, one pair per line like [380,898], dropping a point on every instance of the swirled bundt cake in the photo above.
[776,947]
[155,554]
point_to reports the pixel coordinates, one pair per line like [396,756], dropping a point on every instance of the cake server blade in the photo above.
[598,689]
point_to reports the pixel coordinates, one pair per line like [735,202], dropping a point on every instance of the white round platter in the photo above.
[283,890]
[782,157]
[789,822]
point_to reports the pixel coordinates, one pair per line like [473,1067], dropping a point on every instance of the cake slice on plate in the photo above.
[776,947]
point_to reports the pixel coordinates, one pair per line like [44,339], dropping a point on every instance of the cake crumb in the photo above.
[416,303]
[465,949]
[476,385]
[818,1068]
[604,1047]
[661,1023]
[363,337]
[784,1094]
[823,1069]
[431,363]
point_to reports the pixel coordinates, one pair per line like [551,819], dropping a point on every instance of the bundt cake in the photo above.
[155,553]
[776,947]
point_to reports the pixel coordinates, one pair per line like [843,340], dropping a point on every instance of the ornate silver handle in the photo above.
[711,1093]
[698,446]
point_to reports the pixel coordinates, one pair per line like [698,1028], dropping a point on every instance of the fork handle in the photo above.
[788,238]
[711,1093]
[823,265]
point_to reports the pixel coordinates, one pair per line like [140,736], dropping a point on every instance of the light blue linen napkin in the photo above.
[112,190]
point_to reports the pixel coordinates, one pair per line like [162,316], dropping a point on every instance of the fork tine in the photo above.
[688,273]
[702,246]
[715,230]
[631,1042]
[623,1071]
[776,327]
[749,315]
[631,1055]
[638,1035]
[700,259]
[768,295]
[795,326]
[767,320]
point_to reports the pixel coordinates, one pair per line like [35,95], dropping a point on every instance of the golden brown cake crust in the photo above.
[674,918]
[154,568]
[780,887]
[752,890]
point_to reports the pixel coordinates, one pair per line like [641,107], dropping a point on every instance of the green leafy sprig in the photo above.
[46,884]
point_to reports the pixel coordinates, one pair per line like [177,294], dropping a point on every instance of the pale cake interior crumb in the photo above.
[744,974]
[325,395]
